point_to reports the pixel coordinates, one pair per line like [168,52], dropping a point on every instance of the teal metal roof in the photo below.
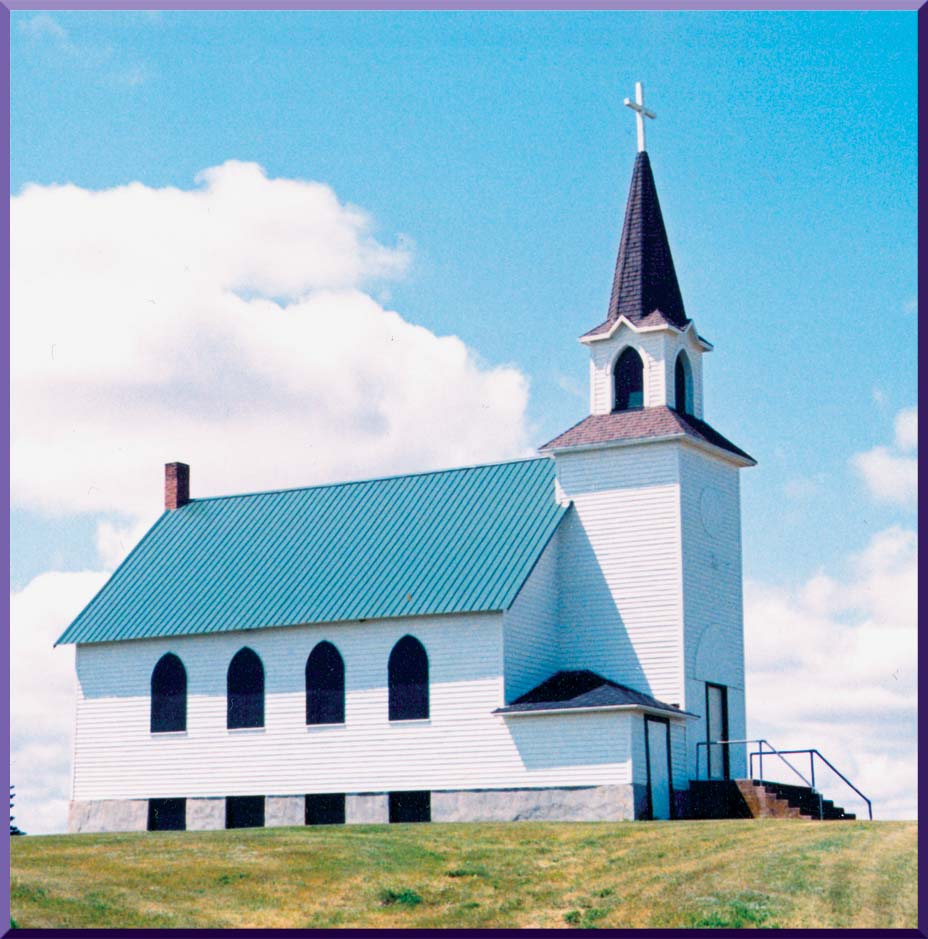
[455,541]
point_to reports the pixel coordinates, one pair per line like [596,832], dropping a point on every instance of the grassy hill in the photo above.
[651,874]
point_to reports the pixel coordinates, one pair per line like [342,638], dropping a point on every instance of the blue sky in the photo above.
[493,151]
[784,153]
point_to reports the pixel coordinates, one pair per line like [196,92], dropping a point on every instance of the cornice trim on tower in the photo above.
[609,329]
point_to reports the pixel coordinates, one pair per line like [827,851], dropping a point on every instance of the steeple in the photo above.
[645,279]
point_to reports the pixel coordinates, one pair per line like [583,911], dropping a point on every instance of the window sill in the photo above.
[167,733]
[245,730]
[411,720]
[310,727]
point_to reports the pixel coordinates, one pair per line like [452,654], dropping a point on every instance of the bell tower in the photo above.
[650,553]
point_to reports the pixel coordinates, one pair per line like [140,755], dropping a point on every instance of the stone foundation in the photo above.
[206,814]
[282,811]
[108,815]
[569,804]
[581,804]
[367,808]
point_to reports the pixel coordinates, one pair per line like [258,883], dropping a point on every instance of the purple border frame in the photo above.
[383,5]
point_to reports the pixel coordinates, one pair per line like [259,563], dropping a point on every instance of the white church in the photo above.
[552,638]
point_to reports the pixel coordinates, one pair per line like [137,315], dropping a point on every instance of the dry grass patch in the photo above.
[580,875]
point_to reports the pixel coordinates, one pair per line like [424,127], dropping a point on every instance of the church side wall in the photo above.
[620,600]
[712,593]
[530,628]
[462,746]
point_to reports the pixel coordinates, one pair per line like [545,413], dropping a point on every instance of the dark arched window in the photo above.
[408,675]
[245,690]
[168,695]
[628,379]
[683,384]
[325,686]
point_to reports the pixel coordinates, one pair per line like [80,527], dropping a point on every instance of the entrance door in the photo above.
[717,729]
[657,755]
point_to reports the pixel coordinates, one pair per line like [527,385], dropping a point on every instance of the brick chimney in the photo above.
[176,485]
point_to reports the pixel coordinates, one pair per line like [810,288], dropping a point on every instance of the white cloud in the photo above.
[906,427]
[226,326]
[115,540]
[833,665]
[43,26]
[42,696]
[889,473]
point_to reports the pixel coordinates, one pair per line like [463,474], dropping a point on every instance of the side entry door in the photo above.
[717,729]
[657,757]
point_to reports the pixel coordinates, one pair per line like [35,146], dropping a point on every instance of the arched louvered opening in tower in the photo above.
[683,384]
[245,690]
[408,679]
[628,381]
[325,685]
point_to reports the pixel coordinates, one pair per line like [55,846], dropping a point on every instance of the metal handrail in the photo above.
[782,754]
[816,753]
[761,742]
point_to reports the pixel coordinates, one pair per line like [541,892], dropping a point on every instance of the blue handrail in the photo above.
[782,754]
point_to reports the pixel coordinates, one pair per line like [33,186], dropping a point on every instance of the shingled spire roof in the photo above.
[645,283]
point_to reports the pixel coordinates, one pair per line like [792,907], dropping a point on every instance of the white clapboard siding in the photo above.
[620,575]
[462,745]
[531,638]
[712,589]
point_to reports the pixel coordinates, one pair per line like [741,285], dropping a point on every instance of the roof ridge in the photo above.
[370,479]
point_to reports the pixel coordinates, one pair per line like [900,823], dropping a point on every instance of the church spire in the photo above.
[645,279]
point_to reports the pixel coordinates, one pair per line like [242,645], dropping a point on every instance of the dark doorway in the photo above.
[167,814]
[245,812]
[326,808]
[660,772]
[717,729]
[410,806]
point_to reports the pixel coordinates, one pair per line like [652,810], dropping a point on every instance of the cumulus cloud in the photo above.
[227,326]
[42,696]
[891,473]
[42,26]
[832,664]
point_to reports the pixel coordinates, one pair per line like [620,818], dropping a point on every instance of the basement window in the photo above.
[167,814]
[410,806]
[245,812]
[325,808]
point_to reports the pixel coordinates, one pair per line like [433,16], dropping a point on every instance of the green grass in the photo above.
[768,874]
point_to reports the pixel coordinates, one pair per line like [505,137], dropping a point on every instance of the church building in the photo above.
[550,638]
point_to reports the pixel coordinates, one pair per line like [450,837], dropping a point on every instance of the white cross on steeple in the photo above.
[641,112]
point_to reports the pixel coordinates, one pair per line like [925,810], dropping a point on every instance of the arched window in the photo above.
[628,379]
[245,690]
[683,384]
[325,686]
[408,676]
[168,695]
